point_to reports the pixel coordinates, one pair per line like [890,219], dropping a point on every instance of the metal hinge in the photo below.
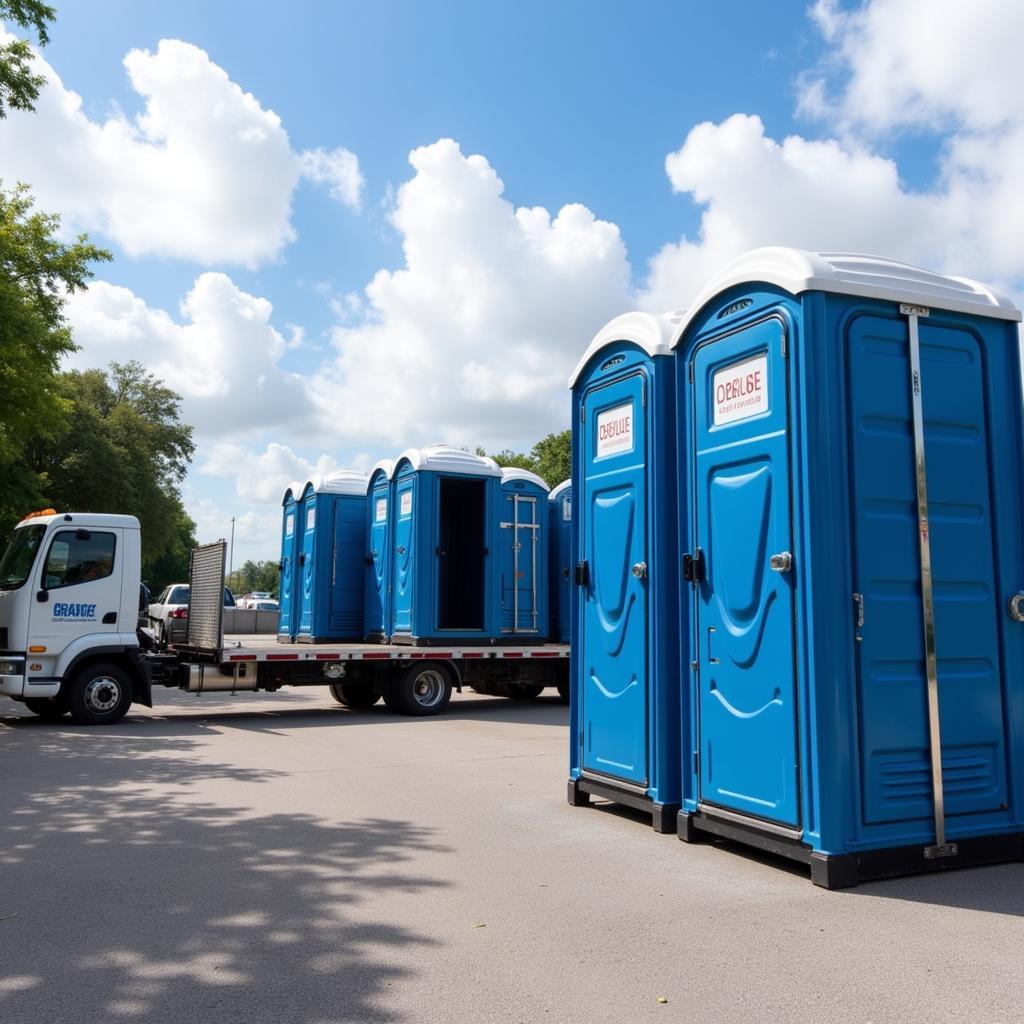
[784,345]
[583,412]
[582,574]
[691,373]
[693,567]
[696,762]
[643,396]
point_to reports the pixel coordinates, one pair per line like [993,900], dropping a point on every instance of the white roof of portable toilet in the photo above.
[652,333]
[386,466]
[513,473]
[443,458]
[869,277]
[294,489]
[344,481]
[563,486]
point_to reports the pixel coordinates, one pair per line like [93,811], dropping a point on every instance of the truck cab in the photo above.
[69,593]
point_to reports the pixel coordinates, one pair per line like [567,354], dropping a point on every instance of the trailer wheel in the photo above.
[357,696]
[422,690]
[523,691]
[100,694]
[50,708]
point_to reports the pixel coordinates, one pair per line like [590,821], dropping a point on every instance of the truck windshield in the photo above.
[16,563]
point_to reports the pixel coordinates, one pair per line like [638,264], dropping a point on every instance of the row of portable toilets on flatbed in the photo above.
[798,566]
[439,546]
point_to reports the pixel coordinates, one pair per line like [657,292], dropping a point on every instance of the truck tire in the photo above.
[422,689]
[357,696]
[50,708]
[100,694]
[523,691]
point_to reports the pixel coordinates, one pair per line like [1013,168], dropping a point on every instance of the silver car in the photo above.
[169,612]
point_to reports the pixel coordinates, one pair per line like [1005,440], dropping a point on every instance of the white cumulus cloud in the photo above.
[203,173]
[221,357]
[472,339]
[262,476]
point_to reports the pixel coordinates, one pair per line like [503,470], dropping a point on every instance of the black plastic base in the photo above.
[842,871]
[663,816]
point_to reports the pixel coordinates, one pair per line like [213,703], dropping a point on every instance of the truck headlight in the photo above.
[12,666]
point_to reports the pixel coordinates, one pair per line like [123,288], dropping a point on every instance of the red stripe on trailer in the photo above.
[328,657]
[472,654]
[282,657]
[544,654]
[241,657]
[376,655]
[511,654]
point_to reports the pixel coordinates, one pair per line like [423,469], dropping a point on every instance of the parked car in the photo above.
[252,600]
[169,612]
[266,606]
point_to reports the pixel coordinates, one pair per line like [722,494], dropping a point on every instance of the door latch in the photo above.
[782,562]
[1016,607]
[582,574]
[639,570]
[693,567]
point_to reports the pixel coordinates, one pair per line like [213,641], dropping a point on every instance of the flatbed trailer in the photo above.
[412,680]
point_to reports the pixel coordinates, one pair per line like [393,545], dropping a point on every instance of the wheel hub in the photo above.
[102,694]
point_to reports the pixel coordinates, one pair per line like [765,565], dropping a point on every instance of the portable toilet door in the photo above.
[560,561]
[441,567]
[378,552]
[522,543]
[624,699]
[290,539]
[308,513]
[854,441]
[332,602]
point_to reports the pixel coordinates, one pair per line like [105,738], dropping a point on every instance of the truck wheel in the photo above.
[357,696]
[50,708]
[100,694]
[523,691]
[423,690]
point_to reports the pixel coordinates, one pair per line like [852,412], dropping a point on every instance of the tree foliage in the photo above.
[19,87]
[255,576]
[550,458]
[37,271]
[123,449]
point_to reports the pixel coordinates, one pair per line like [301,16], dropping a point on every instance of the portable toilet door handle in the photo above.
[1017,607]
[782,562]
[639,570]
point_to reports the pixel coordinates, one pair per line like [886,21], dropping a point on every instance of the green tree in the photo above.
[173,565]
[255,576]
[36,273]
[19,87]
[123,449]
[550,458]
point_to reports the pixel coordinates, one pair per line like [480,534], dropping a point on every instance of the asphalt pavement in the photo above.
[271,859]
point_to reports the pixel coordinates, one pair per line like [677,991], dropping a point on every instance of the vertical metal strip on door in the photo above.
[941,847]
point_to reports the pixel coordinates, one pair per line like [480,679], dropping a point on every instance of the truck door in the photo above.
[744,605]
[78,589]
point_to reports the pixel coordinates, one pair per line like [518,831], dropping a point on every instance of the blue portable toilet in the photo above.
[522,548]
[624,690]
[378,557]
[288,566]
[332,558]
[851,442]
[560,561]
[442,532]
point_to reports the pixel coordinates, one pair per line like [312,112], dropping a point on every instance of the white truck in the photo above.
[70,639]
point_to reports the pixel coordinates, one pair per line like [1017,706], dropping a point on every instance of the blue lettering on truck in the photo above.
[67,612]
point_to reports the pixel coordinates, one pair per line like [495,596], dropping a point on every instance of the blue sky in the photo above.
[250,168]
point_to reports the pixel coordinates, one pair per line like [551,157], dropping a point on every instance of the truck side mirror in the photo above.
[43,596]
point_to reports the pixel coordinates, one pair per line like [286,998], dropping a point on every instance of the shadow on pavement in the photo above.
[126,896]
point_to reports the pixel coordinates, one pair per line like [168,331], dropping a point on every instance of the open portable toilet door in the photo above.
[442,498]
